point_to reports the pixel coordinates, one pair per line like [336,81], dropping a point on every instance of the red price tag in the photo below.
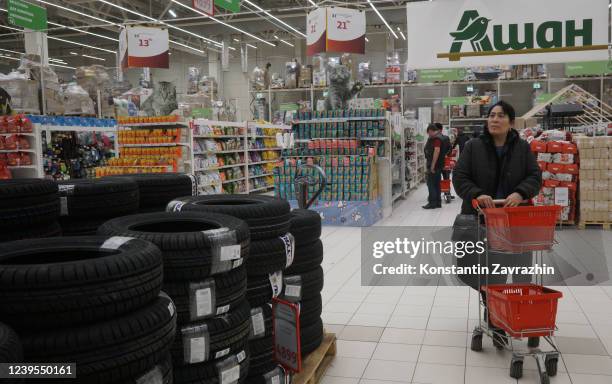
[286,333]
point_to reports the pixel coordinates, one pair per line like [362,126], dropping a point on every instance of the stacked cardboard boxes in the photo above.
[558,162]
[595,179]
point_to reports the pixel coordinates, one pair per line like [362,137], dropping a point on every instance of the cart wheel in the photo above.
[448,199]
[533,342]
[551,366]
[499,341]
[516,369]
[476,342]
[544,379]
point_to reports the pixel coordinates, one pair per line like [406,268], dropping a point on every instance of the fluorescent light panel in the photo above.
[381,17]
[81,44]
[82,31]
[251,46]
[78,13]
[94,57]
[172,13]
[220,22]
[287,43]
[273,17]
[402,34]
[313,3]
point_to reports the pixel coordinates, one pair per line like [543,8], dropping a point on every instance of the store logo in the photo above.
[549,36]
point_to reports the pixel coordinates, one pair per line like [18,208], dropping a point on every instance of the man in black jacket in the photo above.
[435,151]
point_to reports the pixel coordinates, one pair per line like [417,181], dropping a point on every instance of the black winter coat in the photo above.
[477,171]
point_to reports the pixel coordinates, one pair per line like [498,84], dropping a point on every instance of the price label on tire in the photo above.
[287,343]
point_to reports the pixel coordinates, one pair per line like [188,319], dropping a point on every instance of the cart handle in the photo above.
[497,202]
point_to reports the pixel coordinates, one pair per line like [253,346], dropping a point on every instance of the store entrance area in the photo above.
[421,335]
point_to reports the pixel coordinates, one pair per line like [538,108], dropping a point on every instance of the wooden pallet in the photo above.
[604,224]
[315,364]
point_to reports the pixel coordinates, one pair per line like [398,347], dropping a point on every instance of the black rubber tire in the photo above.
[230,289]
[186,249]
[266,216]
[161,371]
[260,379]
[310,311]
[259,290]
[312,282]
[158,189]
[207,373]
[112,351]
[552,366]
[62,281]
[98,198]
[476,344]
[37,232]
[227,331]
[267,256]
[312,336]
[305,226]
[10,346]
[81,227]
[266,310]
[516,369]
[28,202]
[533,342]
[307,257]
[262,356]
[11,350]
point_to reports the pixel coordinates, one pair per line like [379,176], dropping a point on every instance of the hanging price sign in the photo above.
[335,29]
[206,6]
[286,333]
[144,47]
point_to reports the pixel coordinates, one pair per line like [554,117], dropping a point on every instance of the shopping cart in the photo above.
[517,311]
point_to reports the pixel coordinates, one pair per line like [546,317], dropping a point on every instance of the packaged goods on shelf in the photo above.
[23,92]
[305,76]
[95,78]
[595,172]
[112,171]
[129,120]
[348,178]
[365,73]
[393,69]
[77,100]
[162,101]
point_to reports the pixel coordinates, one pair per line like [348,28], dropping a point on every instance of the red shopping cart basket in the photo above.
[449,163]
[521,229]
[445,186]
[523,310]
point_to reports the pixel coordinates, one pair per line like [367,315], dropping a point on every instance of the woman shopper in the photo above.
[498,165]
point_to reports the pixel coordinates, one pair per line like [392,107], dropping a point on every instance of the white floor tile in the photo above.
[370,320]
[347,367]
[389,370]
[408,322]
[355,349]
[447,324]
[336,317]
[342,306]
[402,336]
[396,352]
[439,374]
[339,380]
[368,308]
[365,381]
[578,378]
[442,355]
[484,375]
[446,338]
[592,365]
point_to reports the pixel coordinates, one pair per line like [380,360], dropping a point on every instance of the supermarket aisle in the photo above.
[421,335]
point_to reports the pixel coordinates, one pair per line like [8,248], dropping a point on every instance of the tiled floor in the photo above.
[421,335]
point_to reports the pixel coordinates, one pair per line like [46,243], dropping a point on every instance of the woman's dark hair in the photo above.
[439,126]
[432,127]
[506,107]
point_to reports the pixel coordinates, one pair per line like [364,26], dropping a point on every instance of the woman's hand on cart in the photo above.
[514,200]
[486,201]
[483,201]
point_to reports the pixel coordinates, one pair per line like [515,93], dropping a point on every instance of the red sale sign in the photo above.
[286,334]
[206,6]
[144,47]
[335,29]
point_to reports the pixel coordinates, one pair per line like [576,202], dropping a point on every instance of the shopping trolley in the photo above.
[519,310]
[445,183]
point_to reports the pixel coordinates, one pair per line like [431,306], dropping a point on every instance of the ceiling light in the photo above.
[95,58]
[79,13]
[81,44]
[274,17]
[82,31]
[402,34]
[367,40]
[236,40]
[57,61]
[276,37]
[74,53]
[231,48]
[172,13]
[286,42]
[313,3]
[251,46]
[382,18]
[8,50]
[9,57]
[62,66]
[219,21]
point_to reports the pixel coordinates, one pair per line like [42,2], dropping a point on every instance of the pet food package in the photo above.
[305,77]
[365,73]
[292,72]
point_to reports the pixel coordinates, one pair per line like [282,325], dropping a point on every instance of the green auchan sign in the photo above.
[230,5]
[588,68]
[435,75]
[26,15]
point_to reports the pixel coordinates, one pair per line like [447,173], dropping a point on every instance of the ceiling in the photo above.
[254,24]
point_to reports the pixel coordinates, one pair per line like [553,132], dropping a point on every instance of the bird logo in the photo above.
[475,32]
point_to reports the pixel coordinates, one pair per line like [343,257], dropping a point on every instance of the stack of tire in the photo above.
[272,251]
[10,348]
[29,208]
[304,277]
[86,204]
[156,190]
[93,301]
[204,274]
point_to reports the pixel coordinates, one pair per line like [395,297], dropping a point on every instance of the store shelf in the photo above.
[217,137]
[159,124]
[147,145]
[32,134]
[219,123]
[468,119]
[343,138]
[219,152]
[265,162]
[265,149]
[261,188]
[269,126]
[339,120]
[70,128]
[234,180]
[262,137]
[262,175]
[138,166]
[22,167]
[232,166]
[17,150]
